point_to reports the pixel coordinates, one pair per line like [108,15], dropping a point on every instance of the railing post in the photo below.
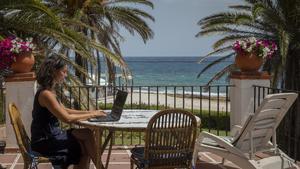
[20,89]
[242,95]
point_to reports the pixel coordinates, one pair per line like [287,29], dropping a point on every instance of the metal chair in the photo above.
[31,158]
[169,141]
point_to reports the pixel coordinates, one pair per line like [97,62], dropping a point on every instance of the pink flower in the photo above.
[10,47]
[263,48]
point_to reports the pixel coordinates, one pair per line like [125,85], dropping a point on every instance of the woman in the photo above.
[74,146]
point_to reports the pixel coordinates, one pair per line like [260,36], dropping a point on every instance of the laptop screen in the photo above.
[119,104]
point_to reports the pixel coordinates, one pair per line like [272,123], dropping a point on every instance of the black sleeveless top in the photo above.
[48,139]
[44,124]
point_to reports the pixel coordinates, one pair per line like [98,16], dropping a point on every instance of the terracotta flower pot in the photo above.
[24,63]
[248,62]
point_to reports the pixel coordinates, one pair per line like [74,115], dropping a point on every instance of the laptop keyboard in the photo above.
[102,119]
[116,110]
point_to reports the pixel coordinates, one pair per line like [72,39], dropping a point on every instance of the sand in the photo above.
[186,103]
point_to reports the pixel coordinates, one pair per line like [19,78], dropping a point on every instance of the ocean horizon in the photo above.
[173,71]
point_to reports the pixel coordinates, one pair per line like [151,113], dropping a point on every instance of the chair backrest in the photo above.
[170,138]
[20,132]
[261,126]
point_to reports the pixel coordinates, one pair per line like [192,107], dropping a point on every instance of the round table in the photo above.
[131,120]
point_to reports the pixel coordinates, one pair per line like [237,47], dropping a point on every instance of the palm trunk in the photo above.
[111,73]
[98,68]
[79,61]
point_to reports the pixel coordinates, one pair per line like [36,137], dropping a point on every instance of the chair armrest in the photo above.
[221,142]
[235,131]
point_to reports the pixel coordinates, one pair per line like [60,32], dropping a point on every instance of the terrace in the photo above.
[213,105]
[120,158]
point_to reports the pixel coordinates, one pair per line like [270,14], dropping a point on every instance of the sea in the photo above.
[173,71]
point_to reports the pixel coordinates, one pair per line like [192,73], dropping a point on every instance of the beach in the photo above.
[186,102]
[175,75]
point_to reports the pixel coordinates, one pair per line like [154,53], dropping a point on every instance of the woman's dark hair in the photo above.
[45,75]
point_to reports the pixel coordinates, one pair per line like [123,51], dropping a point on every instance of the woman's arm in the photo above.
[47,99]
[73,111]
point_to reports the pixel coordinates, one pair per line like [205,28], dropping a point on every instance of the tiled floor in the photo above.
[119,160]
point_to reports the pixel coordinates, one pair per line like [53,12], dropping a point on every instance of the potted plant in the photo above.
[251,53]
[16,55]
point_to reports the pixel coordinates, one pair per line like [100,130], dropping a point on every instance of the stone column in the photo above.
[20,89]
[242,94]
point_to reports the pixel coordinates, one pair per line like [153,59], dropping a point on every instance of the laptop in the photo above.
[116,110]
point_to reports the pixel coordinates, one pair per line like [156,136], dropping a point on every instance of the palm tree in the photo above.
[100,21]
[33,18]
[52,34]
[132,19]
[265,19]
[277,20]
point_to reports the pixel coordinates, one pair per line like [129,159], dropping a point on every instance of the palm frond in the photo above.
[30,5]
[241,7]
[139,2]
[221,73]
[81,24]
[113,57]
[214,63]
[223,30]
[73,64]
[264,19]
[237,18]
[284,42]
[217,51]
[229,39]
[131,22]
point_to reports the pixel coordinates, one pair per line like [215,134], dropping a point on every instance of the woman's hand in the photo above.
[97,113]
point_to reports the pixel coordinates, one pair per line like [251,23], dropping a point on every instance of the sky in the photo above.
[175,28]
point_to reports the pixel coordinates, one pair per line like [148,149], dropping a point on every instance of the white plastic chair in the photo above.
[253,137]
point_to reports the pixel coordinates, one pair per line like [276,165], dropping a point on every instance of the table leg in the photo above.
[101,147]
[109,138]
[99,151]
